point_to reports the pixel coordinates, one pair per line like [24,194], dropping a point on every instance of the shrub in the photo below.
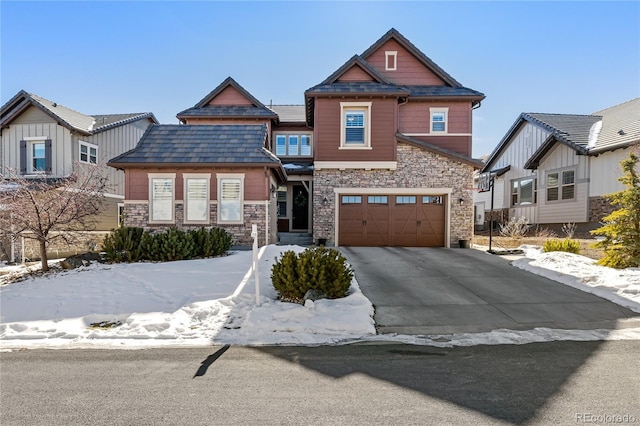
[516,228]
[570,246]
[322,269]
[569,229]
[134,244]
[123,244]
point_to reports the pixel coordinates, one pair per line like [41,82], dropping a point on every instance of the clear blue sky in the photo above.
[163,57]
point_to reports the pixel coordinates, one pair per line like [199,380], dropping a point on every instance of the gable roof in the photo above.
[67,117]
[172,145]
[569,129]
[356,60]
[411,48]
[203,109]
[477,164]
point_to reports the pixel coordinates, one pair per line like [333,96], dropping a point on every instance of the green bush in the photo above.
[123,244]
[570,246]
[134,244]
[321,269]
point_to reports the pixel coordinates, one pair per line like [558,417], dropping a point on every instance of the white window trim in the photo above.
[286,144]
[89,146]
[387,54]
[346,106]
[185,178]
[219,178]
[171,176]
[435,110]
[31,140]
[560,185]
[534,194]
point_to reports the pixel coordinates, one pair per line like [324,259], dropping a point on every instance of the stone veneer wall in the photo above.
[599,207]
[137,214]
[416,168]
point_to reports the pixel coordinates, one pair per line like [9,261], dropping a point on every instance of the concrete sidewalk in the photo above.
[441,291]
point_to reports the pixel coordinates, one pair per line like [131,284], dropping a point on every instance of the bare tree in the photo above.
[48,209]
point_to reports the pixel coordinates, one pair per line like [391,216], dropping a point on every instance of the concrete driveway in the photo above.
[439,290]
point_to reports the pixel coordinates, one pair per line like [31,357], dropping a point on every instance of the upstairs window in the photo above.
[355,125]
[88,153]
[561,185]
[35,155]
[439,120]
[390,60]
[293,144]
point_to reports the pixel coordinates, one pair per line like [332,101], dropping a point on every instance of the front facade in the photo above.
[556,168]
[41,138]
[379,155]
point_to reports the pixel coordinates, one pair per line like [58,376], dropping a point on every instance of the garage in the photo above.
[391,220]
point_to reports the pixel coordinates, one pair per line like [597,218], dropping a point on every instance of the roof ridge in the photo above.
[55,104]
[616,106]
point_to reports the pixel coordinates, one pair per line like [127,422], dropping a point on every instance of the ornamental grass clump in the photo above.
[323,270]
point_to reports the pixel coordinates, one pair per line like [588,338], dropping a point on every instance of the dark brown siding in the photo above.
[414,116]
[327,131]
[408,69]
[459,144]
[230,96]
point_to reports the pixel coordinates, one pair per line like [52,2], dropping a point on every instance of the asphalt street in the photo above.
[538,384]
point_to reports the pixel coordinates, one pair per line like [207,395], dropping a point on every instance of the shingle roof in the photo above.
[439,150]
[570,128]
[620,126]
[365,87]
[86,124]
[289,113]
[444,91]
[228,111]
[175,144]
[355,60]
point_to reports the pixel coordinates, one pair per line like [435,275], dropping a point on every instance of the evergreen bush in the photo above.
[321,269]
[123,244]
[621,229]
[567,245]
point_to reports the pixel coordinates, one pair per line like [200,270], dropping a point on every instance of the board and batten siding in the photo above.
[24,127]
[605,171]
[112,143]
[561,157]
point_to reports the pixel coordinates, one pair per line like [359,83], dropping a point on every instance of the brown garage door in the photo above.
[391,220]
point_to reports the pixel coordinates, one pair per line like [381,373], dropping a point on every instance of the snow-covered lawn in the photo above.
[212,301]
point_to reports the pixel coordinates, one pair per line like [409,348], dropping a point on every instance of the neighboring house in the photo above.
[555,168]
[41,138]
[379,155]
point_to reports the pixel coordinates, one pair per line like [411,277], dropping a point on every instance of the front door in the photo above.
[300,208]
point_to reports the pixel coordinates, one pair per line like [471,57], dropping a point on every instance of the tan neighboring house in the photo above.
[41,138]
[555,168]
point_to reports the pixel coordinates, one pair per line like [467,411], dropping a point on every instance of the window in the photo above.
[121,214]
[524,192]
[293,144]
[88,153]
[196,197]
[161,196]
[355,125]
[558,189]
[377,199]
[282,201]
[351,199]
[35,155]
[230,194]
[432,199]
[390,60]
[439,119]
[406,199]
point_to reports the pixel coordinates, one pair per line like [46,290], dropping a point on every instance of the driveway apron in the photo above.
[440,291]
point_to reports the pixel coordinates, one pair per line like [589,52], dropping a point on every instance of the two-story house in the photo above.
[41,138]
[379,154]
